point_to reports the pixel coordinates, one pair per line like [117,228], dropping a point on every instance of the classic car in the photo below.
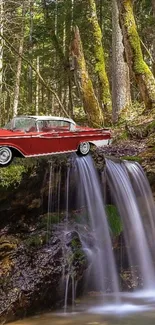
[31,136]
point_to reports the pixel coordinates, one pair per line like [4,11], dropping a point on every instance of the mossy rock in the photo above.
[36,240]
[48,219]
[7,245]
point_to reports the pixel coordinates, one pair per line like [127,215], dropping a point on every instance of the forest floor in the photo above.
[135,141]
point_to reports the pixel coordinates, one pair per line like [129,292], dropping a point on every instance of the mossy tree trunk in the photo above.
[90,102]
[1,58]
[98,53]
[153,9]
[143,75]
[121,97]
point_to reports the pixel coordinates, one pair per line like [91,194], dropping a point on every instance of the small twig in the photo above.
[148,52]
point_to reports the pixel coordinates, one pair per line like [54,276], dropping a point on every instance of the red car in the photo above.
[32,136]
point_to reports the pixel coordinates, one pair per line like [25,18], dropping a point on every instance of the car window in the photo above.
[8,126]
[21,124]
[25,124]
[53,125]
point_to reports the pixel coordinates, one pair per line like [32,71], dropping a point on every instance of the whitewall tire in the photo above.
[6,156]
[84,148]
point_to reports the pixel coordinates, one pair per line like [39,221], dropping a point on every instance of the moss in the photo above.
[99,56]
[49,218]
[139,64]
[151,127]
[78,253]
[80,256]
[132,158]
[93,110]
[91,104]
[147,83]
[35,241]
[122,136]
[114,220]
[7,245]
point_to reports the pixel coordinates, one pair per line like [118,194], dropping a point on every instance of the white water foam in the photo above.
[120,309]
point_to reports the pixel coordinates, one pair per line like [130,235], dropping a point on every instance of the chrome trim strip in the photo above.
[17,137]
[50,153]
[73,136]
[52,136]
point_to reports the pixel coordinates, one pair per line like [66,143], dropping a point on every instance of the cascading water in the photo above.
[84,198]
[134,231]
[91,197]
[145,200]
[67,196]
[49,202]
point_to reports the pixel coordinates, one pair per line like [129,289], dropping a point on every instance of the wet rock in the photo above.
[31,273]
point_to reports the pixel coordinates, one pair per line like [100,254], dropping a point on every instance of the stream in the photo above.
[90,311]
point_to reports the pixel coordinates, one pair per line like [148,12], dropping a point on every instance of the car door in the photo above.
[68,138]
[45,143]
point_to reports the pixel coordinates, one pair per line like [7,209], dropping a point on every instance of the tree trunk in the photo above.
[90,102]
[153,7]
[143,75]
[30,71]
[101,14]
[37,88]
[19,66]
[1,58]
[99,57]
[121,98]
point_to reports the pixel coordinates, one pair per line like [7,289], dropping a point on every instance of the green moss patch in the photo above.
[114,220]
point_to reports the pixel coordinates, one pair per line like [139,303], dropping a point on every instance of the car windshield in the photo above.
[21,124]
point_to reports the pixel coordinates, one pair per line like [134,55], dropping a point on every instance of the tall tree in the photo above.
[19,64]
[153,7]
[37,87]
[121,98]
[100,70]
[30,72]
[1,56]
[90,102]
[143,75]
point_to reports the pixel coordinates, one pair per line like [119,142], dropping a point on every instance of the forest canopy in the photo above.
[85,59]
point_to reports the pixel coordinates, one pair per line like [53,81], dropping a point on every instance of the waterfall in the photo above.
[84,198]
[145,200]
[125,181]
[91,196]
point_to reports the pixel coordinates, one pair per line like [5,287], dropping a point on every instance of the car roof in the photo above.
[49,117]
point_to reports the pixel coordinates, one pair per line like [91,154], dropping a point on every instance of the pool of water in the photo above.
[134,309]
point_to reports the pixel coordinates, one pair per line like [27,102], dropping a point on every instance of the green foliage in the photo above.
[132,158]
[49,219]
[11,176]
[122,136]
[114,220]
[35,240]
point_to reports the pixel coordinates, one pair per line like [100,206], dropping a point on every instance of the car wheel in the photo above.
[84,148]
[6,156]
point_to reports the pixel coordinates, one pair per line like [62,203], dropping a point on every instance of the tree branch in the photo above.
[13,49]
[147,50]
